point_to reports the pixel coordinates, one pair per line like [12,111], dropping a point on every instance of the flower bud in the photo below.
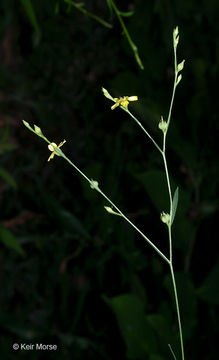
[162,125]
[180,66]
[94,184]
[165,218]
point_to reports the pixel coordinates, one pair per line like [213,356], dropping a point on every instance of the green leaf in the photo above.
[8,178]
[175,203]
[111,211]
[27,4]
[209,290]
[10,240]
[126,13]
[135,329]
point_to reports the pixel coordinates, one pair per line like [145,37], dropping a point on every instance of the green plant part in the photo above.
[162,125]
[165,218]
[80,7]
[55,149]
[168,217]
[134,48]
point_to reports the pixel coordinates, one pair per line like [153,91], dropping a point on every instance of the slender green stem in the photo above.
[87,13]
[94,184]
[145,131]
[171,201]
[76,168]
[168,181]
[119,211]
[135,227]
[174,89]
[171,204]
[56,150]
[170,243]
[172,352]
[177,309]
[131,43]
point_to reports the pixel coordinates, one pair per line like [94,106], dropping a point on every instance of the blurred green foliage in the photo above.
[71,274]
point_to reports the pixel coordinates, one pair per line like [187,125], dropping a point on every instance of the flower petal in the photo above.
[133,98]
[115,105]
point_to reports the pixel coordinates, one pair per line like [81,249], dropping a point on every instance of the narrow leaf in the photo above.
[7,177]
[27,4]
[126,13]
[136,331]
[10,240]
[175,203]
[111,211]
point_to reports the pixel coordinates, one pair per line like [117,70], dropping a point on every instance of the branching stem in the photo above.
[94,184]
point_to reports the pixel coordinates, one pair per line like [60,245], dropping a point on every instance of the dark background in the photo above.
[71,274]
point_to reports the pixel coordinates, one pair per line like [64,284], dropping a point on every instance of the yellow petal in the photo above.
[51,156]
[61,143]
[133,98]
[124,103]
[114,106]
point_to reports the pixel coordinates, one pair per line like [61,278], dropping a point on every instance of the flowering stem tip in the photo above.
[123,101]
[55,149]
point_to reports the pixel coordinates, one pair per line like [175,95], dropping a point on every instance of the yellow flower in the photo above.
[52,147]
[123,101]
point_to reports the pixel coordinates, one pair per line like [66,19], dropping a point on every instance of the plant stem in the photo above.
[171,202]
[177,309]
[94,184]
[87,13]
[131,43]
[117,209]
[173,93]
[145,131]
